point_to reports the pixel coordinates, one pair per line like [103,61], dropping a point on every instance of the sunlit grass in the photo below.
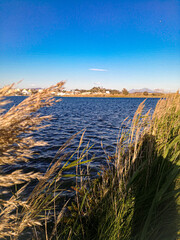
[137,198]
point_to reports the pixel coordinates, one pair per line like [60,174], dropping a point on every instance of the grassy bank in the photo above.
[136,197]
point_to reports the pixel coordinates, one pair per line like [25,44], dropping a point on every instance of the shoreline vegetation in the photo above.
[94,92]
[130,95]
[135,197]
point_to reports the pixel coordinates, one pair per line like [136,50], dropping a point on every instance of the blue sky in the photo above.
[108,43]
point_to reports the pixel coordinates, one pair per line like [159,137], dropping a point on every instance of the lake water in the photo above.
[101,117]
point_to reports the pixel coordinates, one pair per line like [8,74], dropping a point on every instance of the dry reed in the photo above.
[16,146]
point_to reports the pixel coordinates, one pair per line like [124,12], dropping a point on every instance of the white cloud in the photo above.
[98,69]
[97,83]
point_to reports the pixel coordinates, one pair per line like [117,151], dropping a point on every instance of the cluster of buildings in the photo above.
[29,91]
[96,91]
[22,92]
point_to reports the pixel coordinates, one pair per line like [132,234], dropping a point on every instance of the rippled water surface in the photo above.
[101,117]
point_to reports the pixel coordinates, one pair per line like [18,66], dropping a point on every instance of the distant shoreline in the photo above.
[113,96]
[105,96]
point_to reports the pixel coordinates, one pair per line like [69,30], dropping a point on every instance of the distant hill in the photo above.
[160,90]
[141,90]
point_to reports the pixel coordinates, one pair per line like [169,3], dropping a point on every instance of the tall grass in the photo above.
[17,212]
[20,211]
[136,197]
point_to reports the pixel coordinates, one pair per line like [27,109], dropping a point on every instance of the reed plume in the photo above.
[15,146]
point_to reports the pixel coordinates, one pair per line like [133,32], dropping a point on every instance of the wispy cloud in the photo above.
[97,83]
[98,69]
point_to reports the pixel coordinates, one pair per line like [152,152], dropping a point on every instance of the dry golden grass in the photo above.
[17,210]
[16,146]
